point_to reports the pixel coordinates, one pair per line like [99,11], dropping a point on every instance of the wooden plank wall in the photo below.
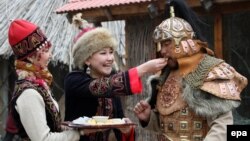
[140,48]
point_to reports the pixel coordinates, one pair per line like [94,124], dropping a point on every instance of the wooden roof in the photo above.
[122,10]
[106,10]
[77,5]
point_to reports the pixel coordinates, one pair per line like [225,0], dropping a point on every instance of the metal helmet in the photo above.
[173,28]
[181,33]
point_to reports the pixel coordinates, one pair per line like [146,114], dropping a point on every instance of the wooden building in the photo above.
[225,27]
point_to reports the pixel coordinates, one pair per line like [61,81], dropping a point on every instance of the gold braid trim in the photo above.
[196,78]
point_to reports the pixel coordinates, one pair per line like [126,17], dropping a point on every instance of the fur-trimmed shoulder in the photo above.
[206,104]
[152,90]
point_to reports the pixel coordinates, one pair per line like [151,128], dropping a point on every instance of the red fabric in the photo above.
[84,30]
[25,38]
[135,81]
[130,137]
[11,126]
[20,29]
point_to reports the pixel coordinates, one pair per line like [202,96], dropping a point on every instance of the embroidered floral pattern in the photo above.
[169,92]
[33,73]
[31,76]
[103,85]
[53,115]
[105,107]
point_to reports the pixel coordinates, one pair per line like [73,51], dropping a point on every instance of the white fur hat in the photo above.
[91,41]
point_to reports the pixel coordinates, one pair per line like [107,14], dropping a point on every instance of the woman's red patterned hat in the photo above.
[25,38]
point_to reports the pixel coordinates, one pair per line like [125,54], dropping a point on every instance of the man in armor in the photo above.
[193,97]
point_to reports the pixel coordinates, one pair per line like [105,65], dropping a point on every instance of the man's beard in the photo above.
[172,63]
